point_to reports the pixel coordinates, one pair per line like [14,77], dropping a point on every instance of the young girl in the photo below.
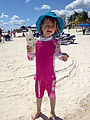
[47,47]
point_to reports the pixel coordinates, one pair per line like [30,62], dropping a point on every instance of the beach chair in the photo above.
[62,41]
[36,35]
[71,38]
[67,40]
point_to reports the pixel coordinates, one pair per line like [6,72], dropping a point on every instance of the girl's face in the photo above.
[48,28]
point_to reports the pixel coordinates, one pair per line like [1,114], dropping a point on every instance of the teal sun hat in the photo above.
[51,14]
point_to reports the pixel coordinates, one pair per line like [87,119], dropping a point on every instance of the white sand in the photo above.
[17,96]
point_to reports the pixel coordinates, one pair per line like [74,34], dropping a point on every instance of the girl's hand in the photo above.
[65,57]
[29,49]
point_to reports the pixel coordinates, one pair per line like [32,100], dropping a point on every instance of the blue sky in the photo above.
[15,13]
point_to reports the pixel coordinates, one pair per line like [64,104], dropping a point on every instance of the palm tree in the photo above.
[84,15]
[78,18]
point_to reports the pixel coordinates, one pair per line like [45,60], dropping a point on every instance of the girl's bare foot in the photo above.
[52,116]
[35,115]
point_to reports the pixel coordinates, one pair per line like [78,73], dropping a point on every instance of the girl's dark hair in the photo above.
[53,20]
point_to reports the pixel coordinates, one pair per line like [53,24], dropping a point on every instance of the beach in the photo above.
[17,94]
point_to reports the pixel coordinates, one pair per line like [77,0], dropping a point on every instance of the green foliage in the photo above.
[78,18]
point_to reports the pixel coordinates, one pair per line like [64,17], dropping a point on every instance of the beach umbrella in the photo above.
[84,24]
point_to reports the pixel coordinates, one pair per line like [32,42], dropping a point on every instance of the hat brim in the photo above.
[59,19]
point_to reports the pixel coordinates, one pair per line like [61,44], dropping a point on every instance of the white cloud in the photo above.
[88,13]
[13,23]
[87,3]
[15,17]
[3,15]
[1,21]
[27,19]
[66,12]
[60,12]
[77,4]
[36,8]
[5,23]
[46,7]
[27,1]
[43,7]
[17,22]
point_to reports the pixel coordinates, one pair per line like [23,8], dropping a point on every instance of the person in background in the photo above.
[83,29]
[14,33]
[0,34]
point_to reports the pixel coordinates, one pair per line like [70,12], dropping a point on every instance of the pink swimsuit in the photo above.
[44,61]
[45,78]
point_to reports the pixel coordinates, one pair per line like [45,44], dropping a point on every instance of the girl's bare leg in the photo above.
[52,113]
[38,111]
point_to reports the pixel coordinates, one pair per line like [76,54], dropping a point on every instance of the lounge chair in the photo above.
[67,40]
